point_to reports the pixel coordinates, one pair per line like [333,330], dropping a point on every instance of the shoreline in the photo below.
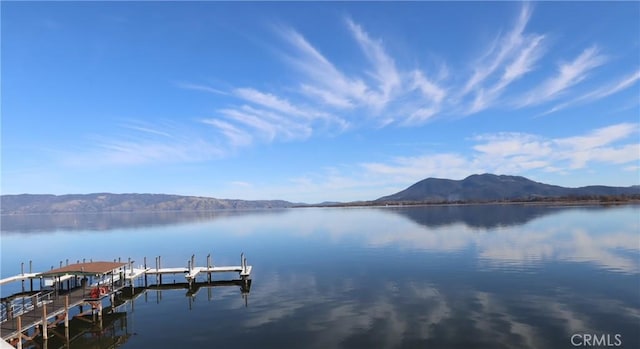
[439,204]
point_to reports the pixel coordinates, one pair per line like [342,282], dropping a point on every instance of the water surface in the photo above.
[503,276]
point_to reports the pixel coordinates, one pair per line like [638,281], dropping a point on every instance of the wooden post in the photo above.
[193,261]
[19,332]
[159,267]
[66,312]
[44,322]
[100,314]
[145,271]
[22,272]
[157,275]
[30,279]
[242,261]
[209,267]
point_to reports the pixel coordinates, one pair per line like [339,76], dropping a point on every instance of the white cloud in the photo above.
[270,101]
[569,74]
[328,97]
[599,137]
[320,72]
[382,93]
[269,125]
[141,143]
[237,137]
[605,91]
[521,65]
[203,88]
[385,70]
[429,89]
[514,54]
[503,153]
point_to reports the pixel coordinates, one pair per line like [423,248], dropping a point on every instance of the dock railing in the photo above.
[24,304]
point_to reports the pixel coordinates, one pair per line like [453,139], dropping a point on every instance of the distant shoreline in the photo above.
[560,202]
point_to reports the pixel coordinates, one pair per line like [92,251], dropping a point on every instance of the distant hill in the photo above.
[106,202]
[490,187]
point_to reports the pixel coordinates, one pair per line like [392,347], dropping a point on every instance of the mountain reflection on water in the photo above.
[504,276]
[111,220]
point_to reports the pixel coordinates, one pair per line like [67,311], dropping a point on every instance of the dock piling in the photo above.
[66,312]
[145,273]
[44,322]
[160,266]
[19,332]
[30,279]
[209,267]
[22,272]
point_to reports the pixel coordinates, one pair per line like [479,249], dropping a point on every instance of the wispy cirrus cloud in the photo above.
[237,136]
[269,101]
[499,51]
[568,75]
[508,59]
[522,64]
[144,143]
[199,87]
[609,89]
[381,92]
[384,68]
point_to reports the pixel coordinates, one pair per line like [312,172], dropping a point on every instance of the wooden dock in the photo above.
[30,313]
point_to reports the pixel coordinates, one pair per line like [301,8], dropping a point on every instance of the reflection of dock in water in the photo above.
[191,289]
[84,332]
[43,314]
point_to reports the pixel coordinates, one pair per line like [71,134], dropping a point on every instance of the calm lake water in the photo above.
[419,277]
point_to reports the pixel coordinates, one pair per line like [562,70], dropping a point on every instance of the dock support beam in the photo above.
[22,272]
[160,266]
[44,322]
[242,261]
[145,272]
[66,312]
[19,332]
[30,279]
[209,267]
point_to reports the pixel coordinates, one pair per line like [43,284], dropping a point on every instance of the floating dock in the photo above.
[28,314]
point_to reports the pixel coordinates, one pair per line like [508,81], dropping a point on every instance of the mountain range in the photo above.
[490,187]
[107,202]
[475,188]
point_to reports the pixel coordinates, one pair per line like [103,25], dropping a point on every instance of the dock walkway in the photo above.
[48,307]
[39,308]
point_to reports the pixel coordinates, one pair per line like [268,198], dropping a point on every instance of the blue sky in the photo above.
[315,101]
